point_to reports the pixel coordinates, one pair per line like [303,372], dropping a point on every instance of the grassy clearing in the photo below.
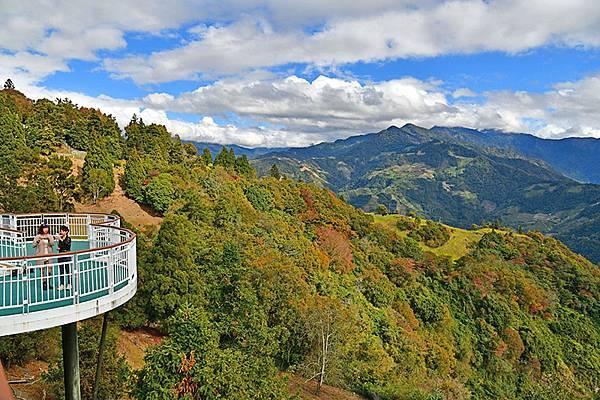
[456,247]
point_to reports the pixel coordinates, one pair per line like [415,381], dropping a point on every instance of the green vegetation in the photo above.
[459,243]
[252,280]
[441,177]
[433,234]
[115,372]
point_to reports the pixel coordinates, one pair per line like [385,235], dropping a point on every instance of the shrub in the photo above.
[160,193]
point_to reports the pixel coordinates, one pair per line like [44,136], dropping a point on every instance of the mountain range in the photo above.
[456,176]
[577,158]
[250,152]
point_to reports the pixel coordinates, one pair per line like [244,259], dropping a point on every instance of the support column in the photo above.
[70,349]
[100,354]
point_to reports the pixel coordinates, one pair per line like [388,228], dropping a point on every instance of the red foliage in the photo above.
[501,349]
[337,247]
[187,386]
[308,198]
[514,344]
[404,265]
[485,283]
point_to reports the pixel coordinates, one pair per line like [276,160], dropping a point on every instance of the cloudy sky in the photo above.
[280,73]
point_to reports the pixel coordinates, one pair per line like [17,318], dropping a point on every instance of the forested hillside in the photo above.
[576,157]
[253,280]
[442,177]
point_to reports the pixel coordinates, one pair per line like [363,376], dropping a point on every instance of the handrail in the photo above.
[105,224]
[41,291]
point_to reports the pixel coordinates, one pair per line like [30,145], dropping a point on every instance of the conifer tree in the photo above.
[274,172]
[9,85]
[225,158]
[134,176]
[97,173]
[243,167]
[206,156]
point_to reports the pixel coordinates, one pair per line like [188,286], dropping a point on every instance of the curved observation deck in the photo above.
[39,292]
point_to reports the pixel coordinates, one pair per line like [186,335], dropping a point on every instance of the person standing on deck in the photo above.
[64,246]
[43,243]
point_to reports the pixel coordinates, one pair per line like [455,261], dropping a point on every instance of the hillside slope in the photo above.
[250,280]
[445,178]
[577,158]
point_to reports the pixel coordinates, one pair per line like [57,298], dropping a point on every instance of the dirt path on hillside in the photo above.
[133,345]
[30,375]
[306,391]
[128,208]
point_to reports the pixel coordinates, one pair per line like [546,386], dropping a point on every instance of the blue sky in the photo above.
[266,73]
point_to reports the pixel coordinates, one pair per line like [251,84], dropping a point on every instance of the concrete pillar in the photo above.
[70,349]
[100,354]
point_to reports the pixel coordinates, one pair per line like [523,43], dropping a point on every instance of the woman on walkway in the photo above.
[43,243]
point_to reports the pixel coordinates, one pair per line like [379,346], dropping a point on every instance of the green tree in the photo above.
[160,193]
[225,159]
[260,197]
[274,172]
[13,156]
[18,349]
[9,85]
[170,264]
[135,176]
[382,209]
[242,166]
[190,364]
[97,184]
[97,173]
[206,156]
[64,184]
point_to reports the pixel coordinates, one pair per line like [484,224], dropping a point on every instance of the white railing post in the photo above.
[89,226]
[111,270]
[75,278]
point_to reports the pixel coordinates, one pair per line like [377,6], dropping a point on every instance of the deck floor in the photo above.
[91,283]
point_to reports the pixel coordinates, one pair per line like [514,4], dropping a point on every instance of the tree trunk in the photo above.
[324,345]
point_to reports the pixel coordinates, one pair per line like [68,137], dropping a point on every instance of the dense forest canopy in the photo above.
[252,280]
[446,175]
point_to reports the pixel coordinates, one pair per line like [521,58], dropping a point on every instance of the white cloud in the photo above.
[295,112]
[54,32]
[330,108]
[463,92]
[250,36]
[62,30]
[246,35]
[459,26]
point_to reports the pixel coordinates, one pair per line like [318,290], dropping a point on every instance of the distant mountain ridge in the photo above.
[250,152]
[438,174]
[577,158]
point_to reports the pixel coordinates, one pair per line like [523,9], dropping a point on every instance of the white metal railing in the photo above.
[12,243]
[35,283]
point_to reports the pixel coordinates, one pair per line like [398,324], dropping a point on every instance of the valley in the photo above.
[440,176]
[247,283]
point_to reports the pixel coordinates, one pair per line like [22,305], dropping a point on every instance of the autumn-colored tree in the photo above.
[337,247]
